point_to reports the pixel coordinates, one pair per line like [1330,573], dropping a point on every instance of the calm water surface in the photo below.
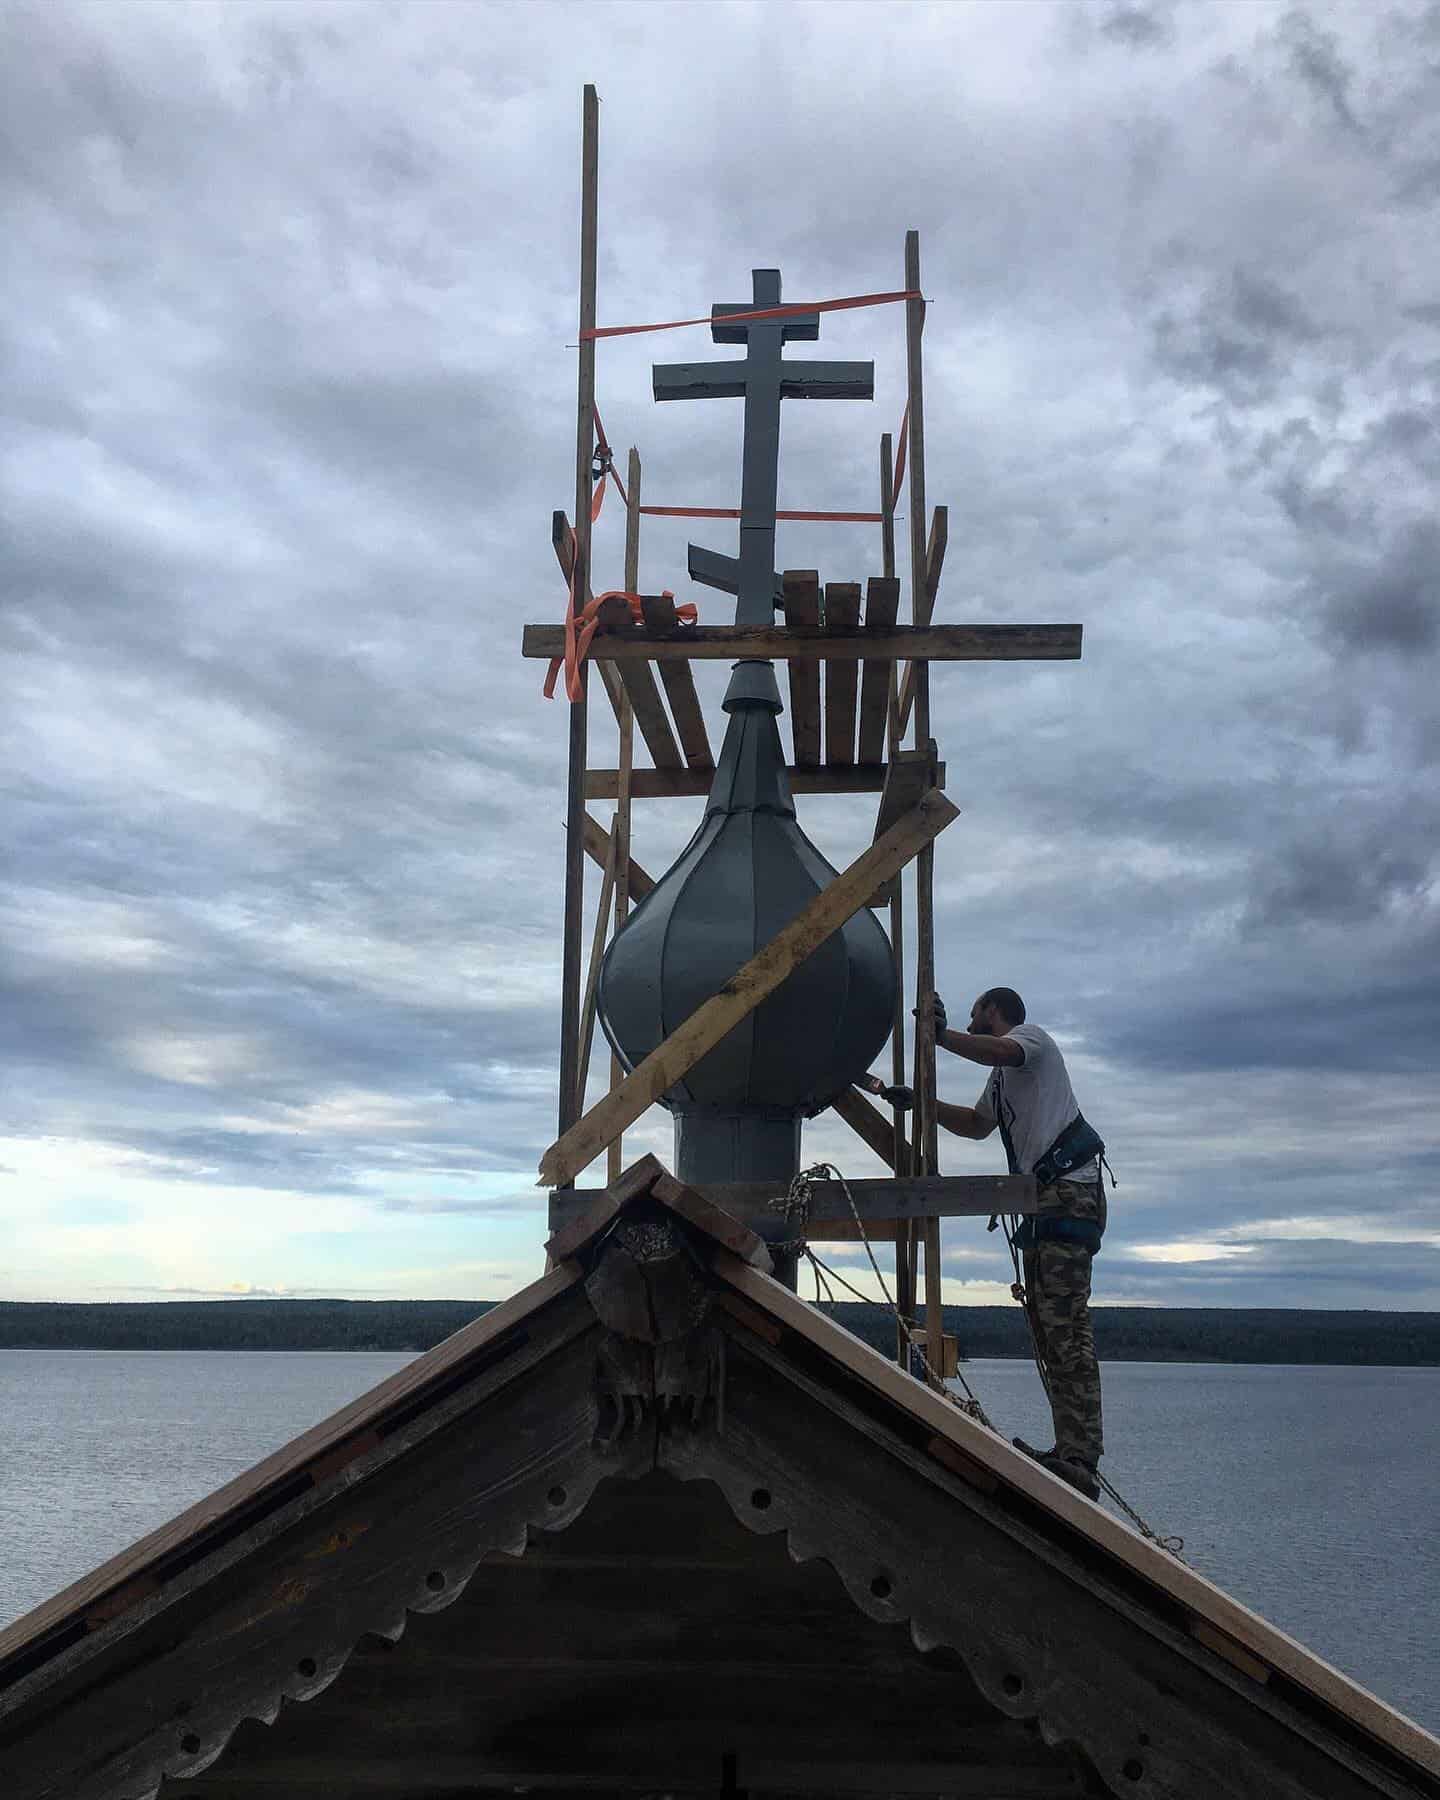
[1307,1493]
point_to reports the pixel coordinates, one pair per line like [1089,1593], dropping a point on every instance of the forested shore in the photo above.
[1122,1333]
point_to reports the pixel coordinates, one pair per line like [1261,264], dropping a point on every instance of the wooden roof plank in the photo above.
[679,683]
[638,680]
[801,588]
[842,612]
[882,604]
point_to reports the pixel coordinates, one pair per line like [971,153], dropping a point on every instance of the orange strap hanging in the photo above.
[579,629]
[760,312]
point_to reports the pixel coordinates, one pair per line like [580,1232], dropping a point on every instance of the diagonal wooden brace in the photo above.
[722,1012]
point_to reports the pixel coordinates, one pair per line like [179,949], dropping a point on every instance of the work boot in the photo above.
[1080,1475]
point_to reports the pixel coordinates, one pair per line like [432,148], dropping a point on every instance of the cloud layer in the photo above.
[287,405]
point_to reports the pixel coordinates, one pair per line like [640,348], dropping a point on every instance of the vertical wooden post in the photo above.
[571,1100]
[904,1234]
[887,508]
[905,1231]
[592,978]
[613,1161]
[925,1134]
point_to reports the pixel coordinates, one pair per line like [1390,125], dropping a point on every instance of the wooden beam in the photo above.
[680,784]
[730,643]
[934,563]
[659,610]
[743,992]
[592,980]
[571,1102]
[925,1123]
[904,1238]
[801,588]
[877,1200]
[842,612]
[597,848]
[623,881]
[887,507]
[638,680]
[907,775]
[882,603]
[921,1196]
[870,1124]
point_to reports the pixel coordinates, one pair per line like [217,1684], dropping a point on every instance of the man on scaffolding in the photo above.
[1029,1099]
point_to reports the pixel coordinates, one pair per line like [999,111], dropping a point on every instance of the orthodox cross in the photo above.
[762,380]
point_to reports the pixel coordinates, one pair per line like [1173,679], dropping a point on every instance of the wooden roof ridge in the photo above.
[1057,1612]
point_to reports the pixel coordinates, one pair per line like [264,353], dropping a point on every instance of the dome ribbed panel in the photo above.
[745,874]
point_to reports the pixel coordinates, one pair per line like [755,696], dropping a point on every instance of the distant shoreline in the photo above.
[1122,1333]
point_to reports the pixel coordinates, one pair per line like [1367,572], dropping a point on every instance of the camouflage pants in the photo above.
[1057,1298]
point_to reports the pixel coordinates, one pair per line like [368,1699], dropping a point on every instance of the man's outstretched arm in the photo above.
[964,1121]
[974,1046]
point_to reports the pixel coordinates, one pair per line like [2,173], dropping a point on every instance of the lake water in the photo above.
[1307,1493]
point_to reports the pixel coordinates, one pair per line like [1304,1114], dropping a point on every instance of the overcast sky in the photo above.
[287,402]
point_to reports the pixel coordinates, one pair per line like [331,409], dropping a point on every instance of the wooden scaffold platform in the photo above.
[858,704]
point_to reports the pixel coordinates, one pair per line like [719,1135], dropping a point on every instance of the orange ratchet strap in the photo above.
[579,629]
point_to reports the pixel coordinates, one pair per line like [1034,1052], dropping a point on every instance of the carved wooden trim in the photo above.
[162,1692]
[1156,1715]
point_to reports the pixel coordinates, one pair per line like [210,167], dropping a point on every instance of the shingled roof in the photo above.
[655,1525]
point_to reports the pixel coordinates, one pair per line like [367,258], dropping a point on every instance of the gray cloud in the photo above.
[1138,27]
[288,403]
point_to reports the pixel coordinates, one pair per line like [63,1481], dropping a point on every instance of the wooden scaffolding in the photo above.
[859,722]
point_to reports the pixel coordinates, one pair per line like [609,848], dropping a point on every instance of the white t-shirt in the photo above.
[1039,1100]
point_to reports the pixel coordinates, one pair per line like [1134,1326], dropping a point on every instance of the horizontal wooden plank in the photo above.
[934,564]
[886,1196]
[728,643]
[878,1199]
[681,784]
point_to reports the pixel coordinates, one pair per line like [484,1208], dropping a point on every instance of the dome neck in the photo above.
[750,776]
